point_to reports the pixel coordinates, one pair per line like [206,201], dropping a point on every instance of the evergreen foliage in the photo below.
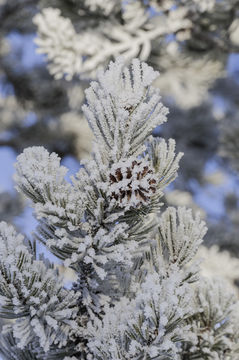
[139,293]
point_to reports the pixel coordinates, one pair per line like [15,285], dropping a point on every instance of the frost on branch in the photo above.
[175,242]
[89,256]
[64,47]
[40,174]
[97,223]
[10,350]
[164,160]
[54,45]
[123,109]
[133,298]
[72,52]
[149,326]
[40,177]
[181,233]
[31,293]
[213,322]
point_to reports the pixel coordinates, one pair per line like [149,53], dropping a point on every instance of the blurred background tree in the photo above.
[195,46]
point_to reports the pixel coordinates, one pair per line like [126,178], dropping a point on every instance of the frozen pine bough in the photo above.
[139,294]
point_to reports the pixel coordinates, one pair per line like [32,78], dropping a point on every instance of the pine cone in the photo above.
[132,182]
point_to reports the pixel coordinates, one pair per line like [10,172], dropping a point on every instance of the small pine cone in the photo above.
[132,182]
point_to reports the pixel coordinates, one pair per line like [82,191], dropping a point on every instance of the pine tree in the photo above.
[190,42]
[139,293]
